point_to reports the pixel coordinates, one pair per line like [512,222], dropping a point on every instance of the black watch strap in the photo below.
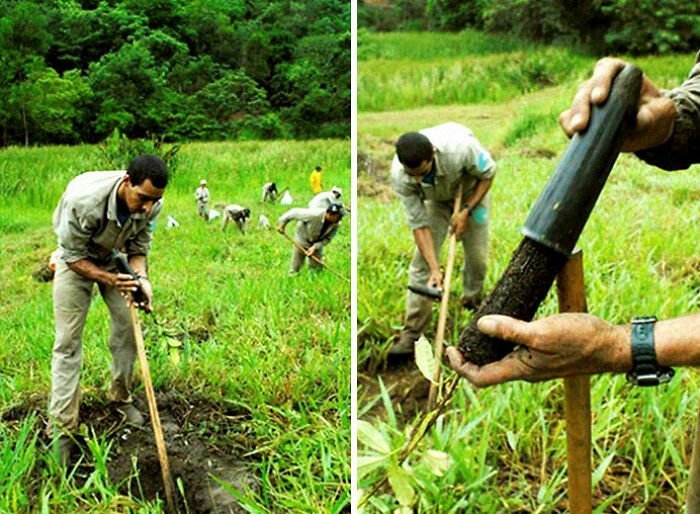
[645,369]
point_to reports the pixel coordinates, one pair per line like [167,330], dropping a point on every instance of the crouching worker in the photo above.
[100,211]
[315,229]
[238,214]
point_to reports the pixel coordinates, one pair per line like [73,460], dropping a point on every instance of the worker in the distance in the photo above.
[325,198]
[316,180]
[315,229]
[202,197]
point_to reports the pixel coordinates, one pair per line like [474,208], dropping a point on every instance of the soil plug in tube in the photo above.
[558,217]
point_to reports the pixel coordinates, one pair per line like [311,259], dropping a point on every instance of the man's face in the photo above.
[141,198]
[333,217]
[419,171]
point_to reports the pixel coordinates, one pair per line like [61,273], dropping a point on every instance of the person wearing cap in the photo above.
[202,197]
[325,198]
[316,227]
[99,212]
[425,173]
[316,180]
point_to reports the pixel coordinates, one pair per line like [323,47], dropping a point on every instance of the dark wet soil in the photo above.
[407,388]
[519,292]
[203,443]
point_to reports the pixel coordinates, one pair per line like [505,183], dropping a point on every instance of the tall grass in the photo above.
[272,345]
[505,446]
[400,71]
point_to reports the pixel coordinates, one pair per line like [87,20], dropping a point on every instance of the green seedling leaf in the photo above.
[174,343]
[400,482]
[438,462]
[366,465]
[425,360]
[372,438]
[174,356]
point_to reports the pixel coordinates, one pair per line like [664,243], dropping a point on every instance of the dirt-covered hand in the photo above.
[124,283]
[280,229]
[655,116]
[558,346]
[148,293]
[460,223]
[435,280]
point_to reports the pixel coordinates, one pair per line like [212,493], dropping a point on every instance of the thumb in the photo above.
[506,328]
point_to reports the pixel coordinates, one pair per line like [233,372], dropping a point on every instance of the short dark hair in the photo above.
[413,148]
[318,168]
[148,167]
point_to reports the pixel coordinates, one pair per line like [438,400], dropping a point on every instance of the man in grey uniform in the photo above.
[100,211]
[202,197]
[426,171]
[315,229]
[325,198]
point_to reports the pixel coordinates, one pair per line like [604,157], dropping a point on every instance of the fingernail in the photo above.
[486,324]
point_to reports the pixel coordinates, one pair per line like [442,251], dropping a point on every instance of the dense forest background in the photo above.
[597,26]
[75,71]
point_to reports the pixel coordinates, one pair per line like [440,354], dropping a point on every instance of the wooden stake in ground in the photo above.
[444,304]
[692,501]
[301,248]
[577,393]
[153,409]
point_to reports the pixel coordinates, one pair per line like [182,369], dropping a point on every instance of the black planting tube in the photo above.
[123,266]
[558,217]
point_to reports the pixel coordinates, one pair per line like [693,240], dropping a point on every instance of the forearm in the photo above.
[139,263]
[424,241]
[677,343]
[90,270]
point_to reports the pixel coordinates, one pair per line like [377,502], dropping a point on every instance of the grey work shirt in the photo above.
[86,223]
[309,226]
[683,147]
[323,200]
[202,195]
[458,157]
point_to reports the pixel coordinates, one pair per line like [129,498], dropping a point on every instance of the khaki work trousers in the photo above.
[72,294]
[298,258]
[475,242]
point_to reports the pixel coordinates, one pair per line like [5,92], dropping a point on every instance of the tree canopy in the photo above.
[602,26]
[75,70]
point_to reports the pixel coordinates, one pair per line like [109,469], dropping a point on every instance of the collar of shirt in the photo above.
[112,214]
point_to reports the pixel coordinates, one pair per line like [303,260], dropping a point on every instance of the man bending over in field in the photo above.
[425,173]
[315,229]
[100,211]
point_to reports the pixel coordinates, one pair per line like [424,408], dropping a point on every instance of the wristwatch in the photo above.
[645,370]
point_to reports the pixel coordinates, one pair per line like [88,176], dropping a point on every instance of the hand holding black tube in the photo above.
[139,296]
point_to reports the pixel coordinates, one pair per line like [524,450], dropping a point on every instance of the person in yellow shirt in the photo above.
[315,180]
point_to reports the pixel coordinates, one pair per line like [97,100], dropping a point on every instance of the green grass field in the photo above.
[271,348]
[503,449]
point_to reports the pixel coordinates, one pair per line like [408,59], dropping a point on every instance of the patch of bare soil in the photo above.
[407,388]
[202,442]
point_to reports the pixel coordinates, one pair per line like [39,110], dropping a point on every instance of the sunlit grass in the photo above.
[506,445]
[274,345]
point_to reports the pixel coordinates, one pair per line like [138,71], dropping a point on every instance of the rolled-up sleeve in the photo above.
[74,226]
[140,243]
[683,147]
